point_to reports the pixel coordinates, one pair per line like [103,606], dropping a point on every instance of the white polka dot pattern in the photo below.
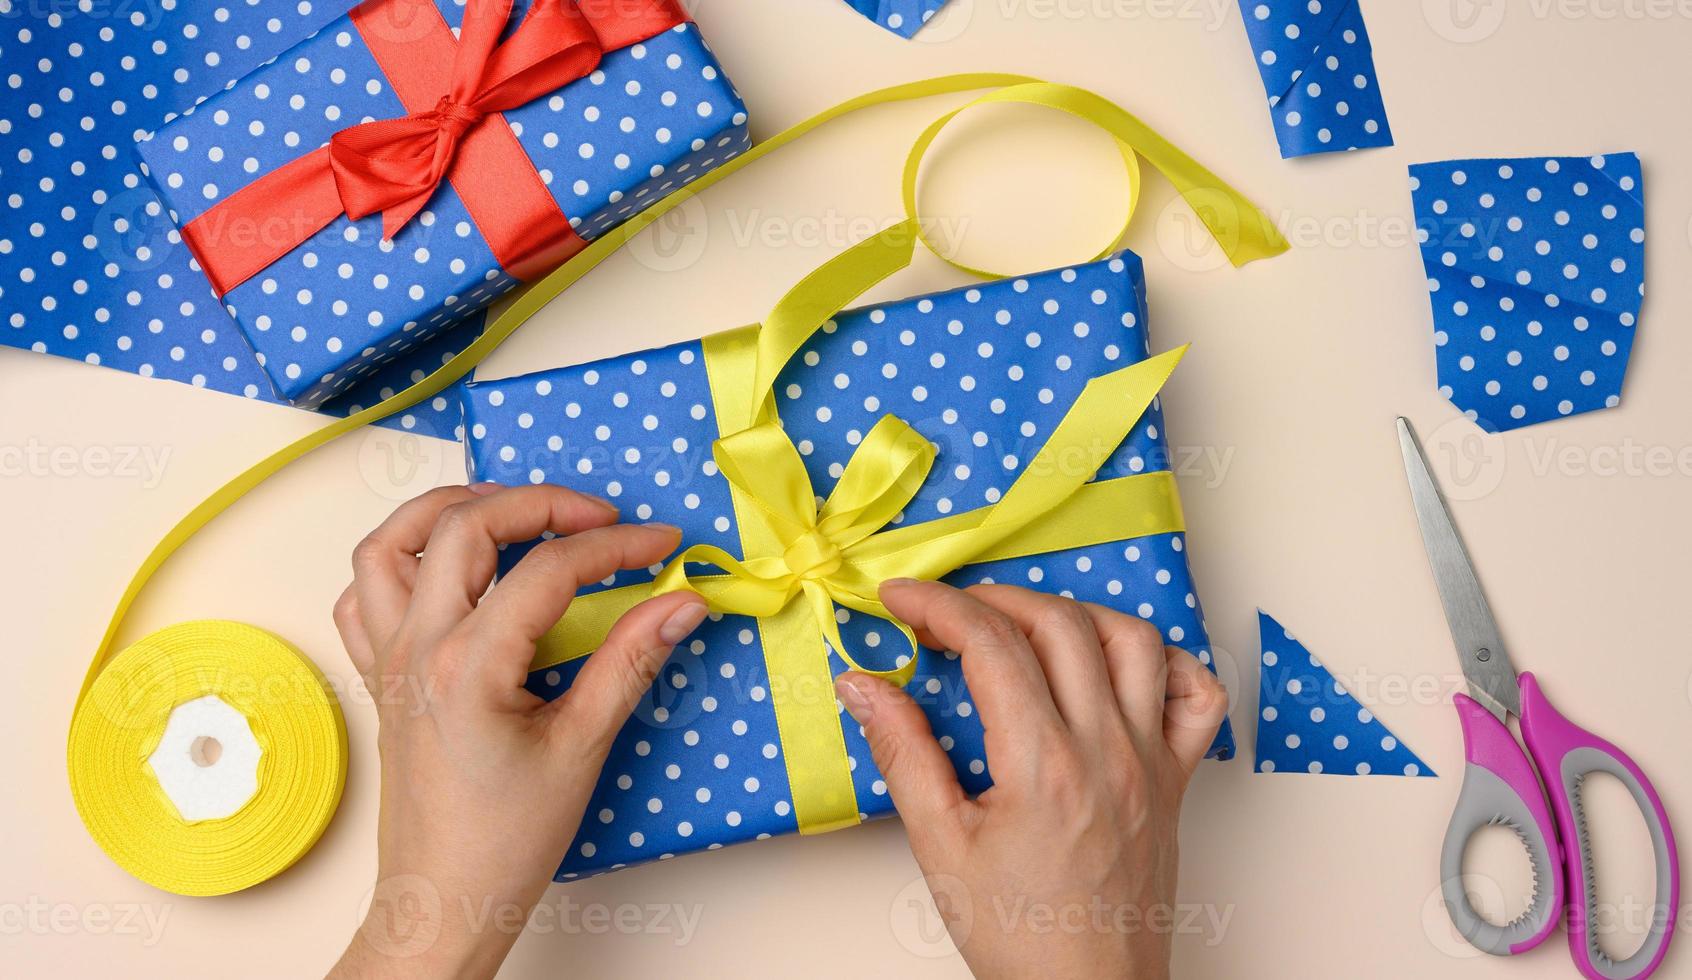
[91,267]
[1536,274]
[1308,722]
[1318,70]
[902,17]
[985,372]
[345,303]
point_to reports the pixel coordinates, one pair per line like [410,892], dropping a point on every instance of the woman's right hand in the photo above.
[1067,866]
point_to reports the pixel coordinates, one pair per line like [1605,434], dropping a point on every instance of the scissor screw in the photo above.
[1483,655]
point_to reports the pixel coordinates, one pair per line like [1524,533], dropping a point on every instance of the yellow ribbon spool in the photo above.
[294,718]
[127,698]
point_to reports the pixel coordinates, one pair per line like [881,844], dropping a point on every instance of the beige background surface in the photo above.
[1293,489]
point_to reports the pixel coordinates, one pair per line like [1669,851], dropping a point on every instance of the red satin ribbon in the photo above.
[453,131]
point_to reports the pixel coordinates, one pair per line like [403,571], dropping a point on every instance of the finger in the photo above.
[1066,641]
[919,775]
[1017,712]
[462,552]
[1195,708]
[597,706]
[1137,667]
[351,627]
[502,630]
[385,562]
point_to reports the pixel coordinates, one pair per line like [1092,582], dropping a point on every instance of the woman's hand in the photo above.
[484,784]
[1067,866]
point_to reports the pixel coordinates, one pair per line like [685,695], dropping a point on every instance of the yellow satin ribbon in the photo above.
[1243,231]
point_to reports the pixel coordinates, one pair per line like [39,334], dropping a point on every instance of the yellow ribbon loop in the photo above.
[791,548]
[883,476]
[820,295]
[1244,233]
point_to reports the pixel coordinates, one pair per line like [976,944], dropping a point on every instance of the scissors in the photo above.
[1500,787]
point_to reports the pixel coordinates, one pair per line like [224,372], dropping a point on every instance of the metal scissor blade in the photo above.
[1486,665]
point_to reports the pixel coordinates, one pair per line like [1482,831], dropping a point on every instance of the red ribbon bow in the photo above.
[394,165]
[453,132]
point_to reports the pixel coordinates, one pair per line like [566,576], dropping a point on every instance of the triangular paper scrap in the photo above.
[1308,722]
[902,17]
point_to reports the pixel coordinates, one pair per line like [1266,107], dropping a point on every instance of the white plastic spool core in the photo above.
[207,760]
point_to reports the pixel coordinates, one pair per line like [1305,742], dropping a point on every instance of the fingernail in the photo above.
[682,622]
[666,528]
[898,583]
[601,501]
[483,489]
[857,700]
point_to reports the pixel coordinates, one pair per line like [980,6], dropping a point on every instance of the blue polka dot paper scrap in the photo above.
[903,17]
[650,118]
[1318,69]
[1536,274]
[985,373]
[1308,722]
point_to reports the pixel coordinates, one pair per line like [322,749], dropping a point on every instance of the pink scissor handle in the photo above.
[1565,755]
[1500,788]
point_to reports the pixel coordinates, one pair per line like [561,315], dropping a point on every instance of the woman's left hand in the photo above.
[484,784]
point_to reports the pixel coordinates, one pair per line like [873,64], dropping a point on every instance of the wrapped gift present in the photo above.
[936,428]
[392,175]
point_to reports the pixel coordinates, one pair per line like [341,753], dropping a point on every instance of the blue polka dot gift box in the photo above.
[903,17]
[1318,70]
[389,177]
[984,376]
[1536,275]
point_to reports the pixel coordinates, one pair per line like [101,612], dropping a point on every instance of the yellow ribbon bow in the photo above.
[819,549]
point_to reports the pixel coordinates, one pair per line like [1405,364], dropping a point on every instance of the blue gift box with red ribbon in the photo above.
[984,373]
[389,177]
